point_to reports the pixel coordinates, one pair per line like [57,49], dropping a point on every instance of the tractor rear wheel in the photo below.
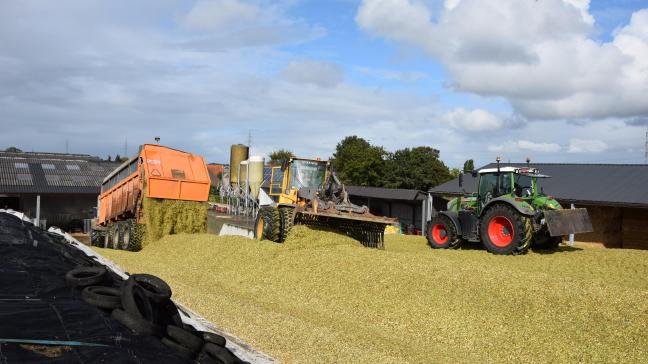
[505,231]
[287,215]
[268,224]
[442,234]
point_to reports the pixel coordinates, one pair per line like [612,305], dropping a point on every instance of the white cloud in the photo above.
[320,73]
[537,54]
[472,120]
[391,75]
[220,14]
[524,145]
[586,146]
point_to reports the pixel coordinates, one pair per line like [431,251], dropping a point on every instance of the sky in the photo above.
[554,80]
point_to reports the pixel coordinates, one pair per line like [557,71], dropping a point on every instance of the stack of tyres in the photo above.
[142,303]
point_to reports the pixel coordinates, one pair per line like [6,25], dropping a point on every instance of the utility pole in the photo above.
[249,141]
[126,147]
[67,146]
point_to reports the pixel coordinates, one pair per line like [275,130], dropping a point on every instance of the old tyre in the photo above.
[185,338]
[135,300]
[544,241]
[166,313]
[219,353]
[505,231]
[102,297]
[268,224]
[442,233]
[287,216]
[179,349]
[214,338]
[85,276]
[157,289]
[136,324]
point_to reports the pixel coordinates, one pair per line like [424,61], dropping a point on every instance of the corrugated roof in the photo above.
[604,184]
[386,193]
[52,173]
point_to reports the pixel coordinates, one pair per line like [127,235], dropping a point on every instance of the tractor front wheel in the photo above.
[505,231]
[441,233]
[268,224]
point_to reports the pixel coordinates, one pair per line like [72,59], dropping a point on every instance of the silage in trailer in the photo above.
[166,217]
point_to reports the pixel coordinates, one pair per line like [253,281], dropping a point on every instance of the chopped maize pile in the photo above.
[323,298]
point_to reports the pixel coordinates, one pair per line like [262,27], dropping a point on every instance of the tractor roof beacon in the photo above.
[509,214]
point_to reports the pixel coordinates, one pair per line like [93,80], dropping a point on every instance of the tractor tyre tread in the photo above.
[522,226]
[454,240]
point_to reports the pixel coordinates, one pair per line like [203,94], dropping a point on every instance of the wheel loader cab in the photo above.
[294,175]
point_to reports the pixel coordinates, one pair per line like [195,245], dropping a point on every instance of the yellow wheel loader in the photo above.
[308,192]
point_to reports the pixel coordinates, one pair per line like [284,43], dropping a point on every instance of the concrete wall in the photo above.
[61,210]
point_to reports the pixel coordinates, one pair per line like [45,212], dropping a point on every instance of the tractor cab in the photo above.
[295,175]
[515,182]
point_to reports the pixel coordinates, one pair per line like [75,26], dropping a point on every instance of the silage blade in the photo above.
[565,222]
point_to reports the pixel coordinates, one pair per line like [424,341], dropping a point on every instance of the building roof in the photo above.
[595,184]
[52,173]
[386,193]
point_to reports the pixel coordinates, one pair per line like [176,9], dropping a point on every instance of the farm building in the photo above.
[615,196]
[65,186]
[410,207]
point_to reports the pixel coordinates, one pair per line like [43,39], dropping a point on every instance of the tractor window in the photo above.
[487,183]
[275,181]
[307,173]
[505,183]
[523,185]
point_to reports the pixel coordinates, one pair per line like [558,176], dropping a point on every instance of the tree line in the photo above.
[359,163]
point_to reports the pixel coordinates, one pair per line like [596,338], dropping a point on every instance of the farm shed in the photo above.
[615,195]
[411,207]
[64,186]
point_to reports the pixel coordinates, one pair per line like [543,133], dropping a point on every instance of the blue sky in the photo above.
[557,80]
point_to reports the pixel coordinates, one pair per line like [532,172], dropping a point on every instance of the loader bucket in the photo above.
[369,230]
[565,222]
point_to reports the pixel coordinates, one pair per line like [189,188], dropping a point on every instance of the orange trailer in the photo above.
[155,172]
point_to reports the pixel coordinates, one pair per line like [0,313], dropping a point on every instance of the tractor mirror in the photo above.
[460,179]
[474,173]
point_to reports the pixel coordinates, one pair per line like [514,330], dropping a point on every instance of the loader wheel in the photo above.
[442,233]
[268,224]
[505,231]
[544,241]
[287,215]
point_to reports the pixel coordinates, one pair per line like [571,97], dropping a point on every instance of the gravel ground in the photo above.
[321,297]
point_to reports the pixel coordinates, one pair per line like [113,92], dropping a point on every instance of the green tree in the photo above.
[278,156]
[109,158]
[455,172]
[13,150]
[359,163]
[417,168]
[469,165]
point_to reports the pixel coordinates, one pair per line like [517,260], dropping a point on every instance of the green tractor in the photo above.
[509,214]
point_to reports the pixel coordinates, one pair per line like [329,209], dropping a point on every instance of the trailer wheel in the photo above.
[287,215]
[268,224]
[125,233]
[107,243]
[116,235]
[442,233]
[505,231]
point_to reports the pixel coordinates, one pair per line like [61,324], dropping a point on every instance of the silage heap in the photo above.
[165,217]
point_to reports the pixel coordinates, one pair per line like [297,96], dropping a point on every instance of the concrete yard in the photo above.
[321,297]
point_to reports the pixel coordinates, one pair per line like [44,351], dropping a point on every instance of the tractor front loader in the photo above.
[309,193]
[509,214]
